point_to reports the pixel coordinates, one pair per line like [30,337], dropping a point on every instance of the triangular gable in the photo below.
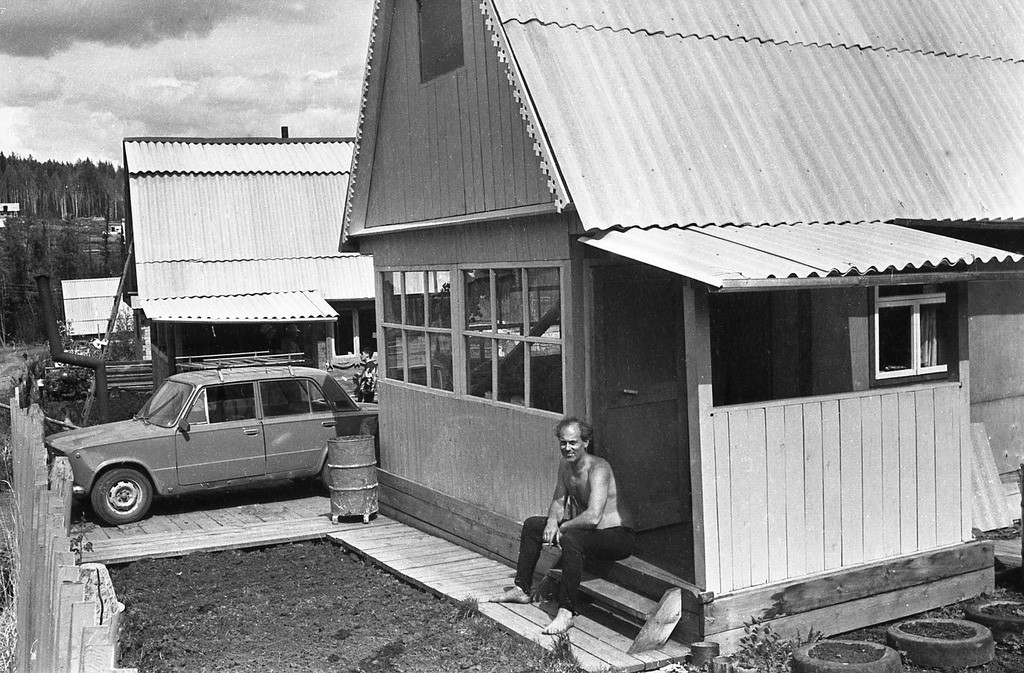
[406,169]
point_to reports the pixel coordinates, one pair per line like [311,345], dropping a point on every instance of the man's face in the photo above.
[570,443]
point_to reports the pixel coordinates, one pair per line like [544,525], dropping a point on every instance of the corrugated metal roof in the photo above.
[681,130]
[238,155]
[216,217]
[265,307]
[87,305]
[340,277]
[720,256]
[991,28]
[89,287]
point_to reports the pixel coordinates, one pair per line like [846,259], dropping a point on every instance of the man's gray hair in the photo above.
[586,431]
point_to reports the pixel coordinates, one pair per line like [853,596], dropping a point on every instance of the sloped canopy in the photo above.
[305,306]
[762,256]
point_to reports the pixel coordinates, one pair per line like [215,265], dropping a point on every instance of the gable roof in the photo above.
[670,113]
[218,217]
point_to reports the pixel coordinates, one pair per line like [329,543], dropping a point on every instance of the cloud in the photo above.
[41,28]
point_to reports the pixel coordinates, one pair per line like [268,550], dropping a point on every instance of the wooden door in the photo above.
[639,389]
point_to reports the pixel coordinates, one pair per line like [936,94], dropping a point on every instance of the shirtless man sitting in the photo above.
[586,519]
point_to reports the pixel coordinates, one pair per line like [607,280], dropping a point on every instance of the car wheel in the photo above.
[122,495]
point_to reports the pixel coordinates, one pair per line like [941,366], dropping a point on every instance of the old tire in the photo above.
[121,496]
[1000,625]
[807,660]
[977,649]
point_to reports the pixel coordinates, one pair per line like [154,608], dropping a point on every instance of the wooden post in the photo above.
[1020,473]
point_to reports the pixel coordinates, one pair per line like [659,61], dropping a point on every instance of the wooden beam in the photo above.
[817,283]
[775,601]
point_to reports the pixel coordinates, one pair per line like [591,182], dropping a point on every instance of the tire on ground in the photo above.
[121,495]
[804,660]
[943,653]
[1000,625]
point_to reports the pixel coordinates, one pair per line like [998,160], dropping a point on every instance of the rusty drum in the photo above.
[352,470]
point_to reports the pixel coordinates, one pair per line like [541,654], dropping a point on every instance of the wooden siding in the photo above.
[997,391]
[804,486]
[522,239]
[455,145]
[500,458]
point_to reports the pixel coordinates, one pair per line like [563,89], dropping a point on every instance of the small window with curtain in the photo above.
[441,49]
[914,331]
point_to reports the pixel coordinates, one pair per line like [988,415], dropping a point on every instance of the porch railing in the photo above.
[808,485]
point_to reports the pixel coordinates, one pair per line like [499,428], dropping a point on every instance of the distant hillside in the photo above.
[52,189]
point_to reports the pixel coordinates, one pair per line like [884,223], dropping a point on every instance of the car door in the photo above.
[224,438]
[297,422]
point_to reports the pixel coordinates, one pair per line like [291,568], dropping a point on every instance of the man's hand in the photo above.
[551,532]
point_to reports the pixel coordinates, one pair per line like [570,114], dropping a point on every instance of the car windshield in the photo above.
[164,406]
[338,397]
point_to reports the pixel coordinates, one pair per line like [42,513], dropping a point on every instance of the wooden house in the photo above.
[680,220]
[233,250]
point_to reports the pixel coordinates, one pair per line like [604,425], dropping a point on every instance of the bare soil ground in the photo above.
[303,607]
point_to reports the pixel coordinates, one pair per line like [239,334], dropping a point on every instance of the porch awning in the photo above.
[302,306]
[786,255]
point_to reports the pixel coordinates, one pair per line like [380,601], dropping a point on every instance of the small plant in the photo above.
[78,545]
[67,383]
[467,609]
[762,648]
[560,658]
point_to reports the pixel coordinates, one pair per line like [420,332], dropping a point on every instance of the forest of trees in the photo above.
[55,189]
[54,234]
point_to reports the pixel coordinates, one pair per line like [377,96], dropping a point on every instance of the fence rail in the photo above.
[67,614]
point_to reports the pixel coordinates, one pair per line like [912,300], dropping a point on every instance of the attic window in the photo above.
[440,37]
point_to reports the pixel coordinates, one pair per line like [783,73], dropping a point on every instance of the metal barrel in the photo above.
[352,468]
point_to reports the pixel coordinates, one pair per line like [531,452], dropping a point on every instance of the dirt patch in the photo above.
[303,607]
[846,653]
[938,630]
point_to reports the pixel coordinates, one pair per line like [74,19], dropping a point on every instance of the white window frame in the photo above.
[915,301]
[405,327]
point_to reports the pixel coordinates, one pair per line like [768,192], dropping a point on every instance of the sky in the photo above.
[78,76]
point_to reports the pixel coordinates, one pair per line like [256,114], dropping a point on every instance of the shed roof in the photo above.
[742,256]
[730,112]
[257,216]
[251,307]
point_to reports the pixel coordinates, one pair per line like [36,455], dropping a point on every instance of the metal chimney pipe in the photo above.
[57,347]
[284,131]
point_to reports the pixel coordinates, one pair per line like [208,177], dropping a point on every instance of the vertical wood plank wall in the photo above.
[804,486]
[497,457]
[454,145]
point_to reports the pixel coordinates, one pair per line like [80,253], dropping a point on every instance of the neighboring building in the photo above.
[233,251]
[678,219]
[88,303]
[8,210]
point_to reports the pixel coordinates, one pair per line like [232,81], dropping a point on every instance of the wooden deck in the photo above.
[440,567]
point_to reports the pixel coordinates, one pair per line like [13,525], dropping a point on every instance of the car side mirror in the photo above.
[184,426]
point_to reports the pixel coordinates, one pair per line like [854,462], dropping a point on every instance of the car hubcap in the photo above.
[124,496]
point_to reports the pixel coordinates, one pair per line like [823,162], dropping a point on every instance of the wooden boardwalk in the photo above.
[435,565]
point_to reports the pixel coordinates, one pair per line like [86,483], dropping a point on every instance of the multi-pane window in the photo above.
[912,331]
[513,336]
[418,328]
[441,49]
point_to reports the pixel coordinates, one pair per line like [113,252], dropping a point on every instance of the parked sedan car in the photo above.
[206,430]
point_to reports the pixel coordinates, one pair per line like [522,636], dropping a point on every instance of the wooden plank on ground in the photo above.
[583,642]
[513,621]
[989,503]
[660,623]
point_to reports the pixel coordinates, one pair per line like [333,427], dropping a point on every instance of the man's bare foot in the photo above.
[513,595]
[560,624]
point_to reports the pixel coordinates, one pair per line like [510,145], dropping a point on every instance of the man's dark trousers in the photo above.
[578,546]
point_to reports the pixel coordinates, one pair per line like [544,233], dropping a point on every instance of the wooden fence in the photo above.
[67,614]
[817,484]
